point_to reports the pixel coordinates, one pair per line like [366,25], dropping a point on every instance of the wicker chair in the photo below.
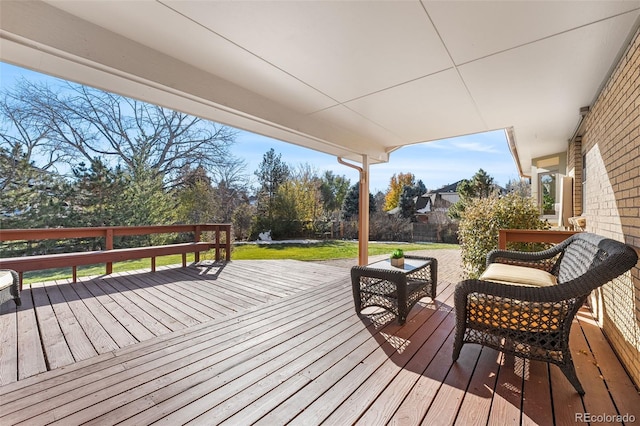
[534,322]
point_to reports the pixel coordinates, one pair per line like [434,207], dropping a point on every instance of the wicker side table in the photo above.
[394,289]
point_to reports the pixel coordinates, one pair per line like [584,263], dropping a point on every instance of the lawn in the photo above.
[324,250]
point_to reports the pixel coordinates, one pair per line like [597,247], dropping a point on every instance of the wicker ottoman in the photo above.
[9,288]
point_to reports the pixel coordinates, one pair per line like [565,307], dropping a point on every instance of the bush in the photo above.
[386,227]
[482,220]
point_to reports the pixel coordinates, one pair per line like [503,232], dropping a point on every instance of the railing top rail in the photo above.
[539,231]
[101,231]
[532,236]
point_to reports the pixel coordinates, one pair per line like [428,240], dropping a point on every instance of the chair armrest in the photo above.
[523,255]
[545,259]
[532,256]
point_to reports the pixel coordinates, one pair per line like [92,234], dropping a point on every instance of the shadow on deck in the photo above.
[278,342]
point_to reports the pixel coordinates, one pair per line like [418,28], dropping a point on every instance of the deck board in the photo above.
[164,299]
[609,369]
[507,398]
[476,404]
[93,328]
[278,342]
[397,352]
[137,297]
[108,319]
[31,360]
[75,336]
[8,344]
[190,298]
[226,372]
[58,353]
[123,314]
[536,398]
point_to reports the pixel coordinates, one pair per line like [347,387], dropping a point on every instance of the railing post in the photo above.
[109,246]
[196,239]
[228,242]
[217,245]
[502,239]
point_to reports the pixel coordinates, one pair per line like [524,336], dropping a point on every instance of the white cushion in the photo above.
[519,275]
[6,279]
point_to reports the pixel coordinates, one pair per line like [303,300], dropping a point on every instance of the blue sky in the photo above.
[436,163]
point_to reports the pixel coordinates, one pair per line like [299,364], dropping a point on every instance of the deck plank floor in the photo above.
[275,342]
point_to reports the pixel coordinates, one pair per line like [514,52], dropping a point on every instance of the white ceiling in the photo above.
[343,77]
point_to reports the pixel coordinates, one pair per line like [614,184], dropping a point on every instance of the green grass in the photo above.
[325,250]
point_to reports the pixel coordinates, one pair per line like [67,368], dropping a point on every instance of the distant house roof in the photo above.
[453,187]
[424,203]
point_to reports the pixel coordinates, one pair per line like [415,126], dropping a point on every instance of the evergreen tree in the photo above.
[351,204]
[408,199]
[145,202]
[31,197]
[97,194]
[272,173]
[480,186]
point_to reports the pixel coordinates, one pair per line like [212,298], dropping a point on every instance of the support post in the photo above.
[363,209]
[363,214]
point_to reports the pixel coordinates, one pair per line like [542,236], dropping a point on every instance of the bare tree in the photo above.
[78,123]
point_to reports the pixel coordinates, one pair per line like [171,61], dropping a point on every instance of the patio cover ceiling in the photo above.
[348,78]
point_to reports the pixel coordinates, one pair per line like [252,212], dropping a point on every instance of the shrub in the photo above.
[386,227]
[482,220]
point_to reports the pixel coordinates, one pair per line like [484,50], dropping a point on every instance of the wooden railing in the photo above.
[531,236]
[220,242]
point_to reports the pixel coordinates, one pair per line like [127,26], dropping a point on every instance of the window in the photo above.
[548,193]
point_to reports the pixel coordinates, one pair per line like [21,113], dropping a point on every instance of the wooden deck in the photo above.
[275,342]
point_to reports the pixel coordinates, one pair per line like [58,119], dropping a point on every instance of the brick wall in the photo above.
[611,142]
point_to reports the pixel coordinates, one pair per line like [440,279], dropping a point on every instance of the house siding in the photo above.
[611,142]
